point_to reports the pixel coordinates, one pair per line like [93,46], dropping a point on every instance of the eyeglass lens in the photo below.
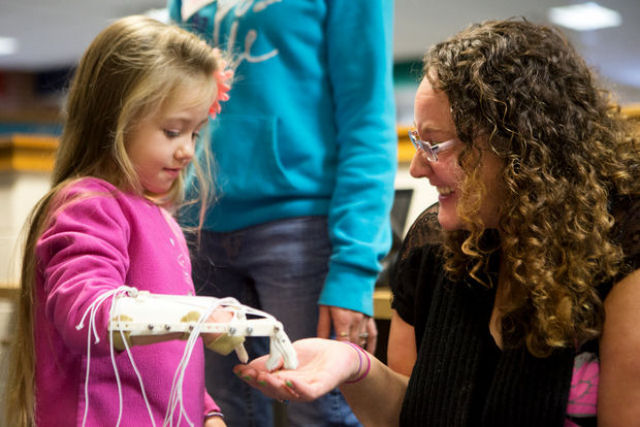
[422,145]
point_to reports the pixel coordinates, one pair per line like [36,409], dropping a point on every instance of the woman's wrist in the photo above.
[364,364]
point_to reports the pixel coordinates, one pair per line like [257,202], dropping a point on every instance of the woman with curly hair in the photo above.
[516,296]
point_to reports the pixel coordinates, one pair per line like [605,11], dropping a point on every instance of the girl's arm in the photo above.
[619,387]
[376,398]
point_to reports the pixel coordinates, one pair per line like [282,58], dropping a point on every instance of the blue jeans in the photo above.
[278,267]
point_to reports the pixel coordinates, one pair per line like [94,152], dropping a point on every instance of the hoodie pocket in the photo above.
[247,157]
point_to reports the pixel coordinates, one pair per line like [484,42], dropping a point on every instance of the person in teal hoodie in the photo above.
[305,164]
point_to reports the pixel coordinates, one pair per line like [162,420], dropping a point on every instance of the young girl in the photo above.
[140,97]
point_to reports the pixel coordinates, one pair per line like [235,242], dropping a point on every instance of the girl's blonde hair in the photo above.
[566,152]
[128,72]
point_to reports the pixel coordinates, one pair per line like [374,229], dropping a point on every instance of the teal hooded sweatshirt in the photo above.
[310,125]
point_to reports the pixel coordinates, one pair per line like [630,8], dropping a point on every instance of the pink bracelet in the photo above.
[360,352]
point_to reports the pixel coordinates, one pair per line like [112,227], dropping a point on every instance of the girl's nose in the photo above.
[420,166]
[185,151]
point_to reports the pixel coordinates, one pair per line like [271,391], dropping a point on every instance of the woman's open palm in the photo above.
[323,365]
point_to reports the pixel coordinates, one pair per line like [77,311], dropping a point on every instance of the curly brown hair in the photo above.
[523,89]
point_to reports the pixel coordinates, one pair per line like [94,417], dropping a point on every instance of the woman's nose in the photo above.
[420,166]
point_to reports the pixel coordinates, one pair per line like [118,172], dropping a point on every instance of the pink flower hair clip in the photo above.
[223,78]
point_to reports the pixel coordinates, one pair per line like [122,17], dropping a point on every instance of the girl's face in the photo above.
[434,123]
[163,144]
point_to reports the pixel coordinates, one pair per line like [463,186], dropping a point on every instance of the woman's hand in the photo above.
[323,365]
[348,325]
[375,393]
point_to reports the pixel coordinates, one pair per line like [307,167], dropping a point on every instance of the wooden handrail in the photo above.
[405,148]
[631,110]
[28,153]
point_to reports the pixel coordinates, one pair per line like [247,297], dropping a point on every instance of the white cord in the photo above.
[115,370]
[176,397]
[91,311]
[133,292]
[137,372]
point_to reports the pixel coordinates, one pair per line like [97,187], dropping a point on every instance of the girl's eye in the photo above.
[171,133]
[195,135]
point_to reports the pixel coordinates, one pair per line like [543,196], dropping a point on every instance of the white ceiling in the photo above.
[613,52]
[53,34]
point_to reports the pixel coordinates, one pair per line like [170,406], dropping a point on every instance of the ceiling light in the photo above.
[8,45]
[585,16]
[161,15]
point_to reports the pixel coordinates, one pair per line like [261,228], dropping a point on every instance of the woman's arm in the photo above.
[377,399]
[325,364]
[619,387]
[401,348]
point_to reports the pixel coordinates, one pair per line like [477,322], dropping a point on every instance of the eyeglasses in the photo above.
[430,150]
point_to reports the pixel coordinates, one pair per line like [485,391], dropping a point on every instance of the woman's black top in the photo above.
[461,378]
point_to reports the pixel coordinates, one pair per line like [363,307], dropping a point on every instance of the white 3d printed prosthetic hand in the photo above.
[142,313]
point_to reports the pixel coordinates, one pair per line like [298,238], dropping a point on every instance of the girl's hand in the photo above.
[221,343]
[215,422]
[324,365]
